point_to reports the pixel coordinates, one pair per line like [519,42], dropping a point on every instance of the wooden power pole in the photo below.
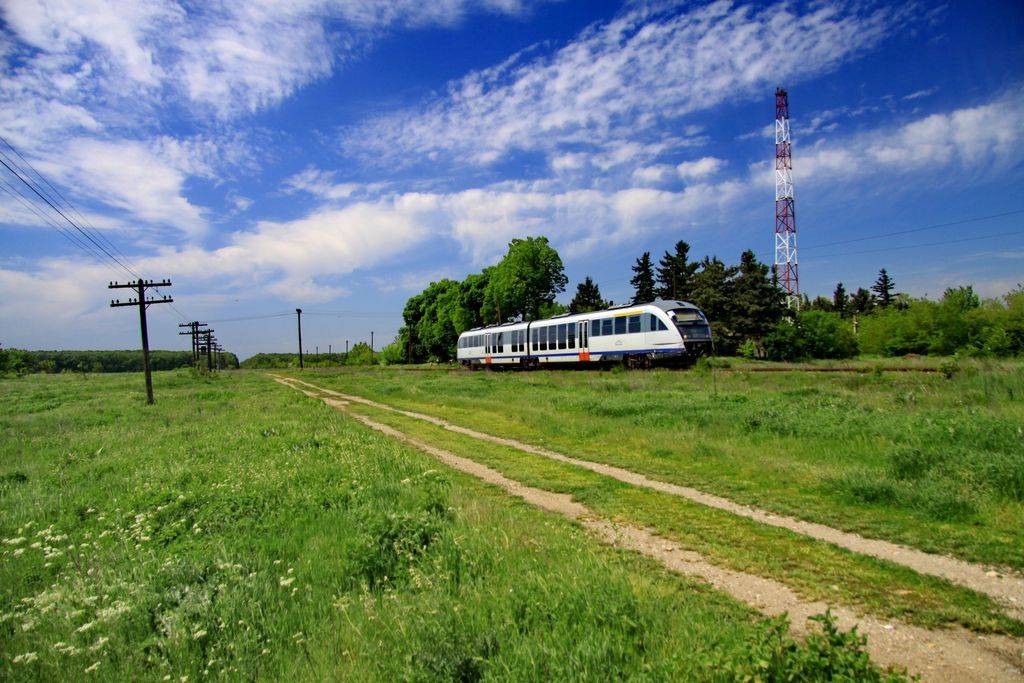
[298,313]
[140,286]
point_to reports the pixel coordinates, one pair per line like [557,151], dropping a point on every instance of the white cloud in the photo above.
[129,175]
[226,56]
[985,137]
[701,168]
[319,183]
[918,94]
[623,79]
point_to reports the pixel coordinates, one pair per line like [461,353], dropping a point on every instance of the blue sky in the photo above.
[340,155]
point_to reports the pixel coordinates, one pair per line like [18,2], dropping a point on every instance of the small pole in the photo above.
[346,348]
[140,286]
[371,341]
[298,312]
[145,341]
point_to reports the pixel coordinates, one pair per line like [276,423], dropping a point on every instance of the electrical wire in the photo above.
[918,246]
[93,243]
[913,230]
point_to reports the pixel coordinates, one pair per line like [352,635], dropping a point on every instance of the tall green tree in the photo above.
[883,288]
[675,273]
[529,276]
[643,279]
[712,293]
[588,297]
[861,301]
[757,301]
[839,300]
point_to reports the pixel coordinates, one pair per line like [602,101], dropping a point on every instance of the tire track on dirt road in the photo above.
[939,655]
[1006,588]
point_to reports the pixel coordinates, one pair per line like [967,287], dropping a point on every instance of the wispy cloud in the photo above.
[625,78]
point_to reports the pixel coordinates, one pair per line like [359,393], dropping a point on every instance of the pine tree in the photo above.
[712,293]
[839,300]
[588,298]
[757,301]
[861,301]
[675,273]
[643,280]
[883,288]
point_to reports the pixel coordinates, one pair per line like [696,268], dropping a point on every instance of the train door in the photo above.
[487,348]
[583,336]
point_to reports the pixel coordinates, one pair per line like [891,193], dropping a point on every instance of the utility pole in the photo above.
[142,302]
[195,332]
[346,349]
[328,350]
[208,343]
[371,342]
[298,313]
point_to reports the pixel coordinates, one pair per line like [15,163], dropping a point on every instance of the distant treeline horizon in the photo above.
[23,361]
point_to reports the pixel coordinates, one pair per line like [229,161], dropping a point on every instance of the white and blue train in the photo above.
[637,335]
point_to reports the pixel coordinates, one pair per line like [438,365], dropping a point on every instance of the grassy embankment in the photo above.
[916,458]
[238,529]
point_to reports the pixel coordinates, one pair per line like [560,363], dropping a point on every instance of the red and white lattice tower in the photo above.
[785,209]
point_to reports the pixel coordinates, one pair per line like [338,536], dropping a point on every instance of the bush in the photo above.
[392,354]
[361,354]
[814,334]
[828,655]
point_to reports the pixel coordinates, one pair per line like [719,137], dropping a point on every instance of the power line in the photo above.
[253,317]
[62,214]
[123,261]
[71,206]
[913,230]
[11,190]
[921,246]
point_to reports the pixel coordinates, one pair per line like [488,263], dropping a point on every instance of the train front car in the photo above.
[692,325]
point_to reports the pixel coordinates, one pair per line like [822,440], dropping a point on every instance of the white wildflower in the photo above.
[199,634]
[26,658]
[85,627]
[286,582]
[92,667]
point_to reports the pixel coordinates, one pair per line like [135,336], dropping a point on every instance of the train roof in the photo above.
[664,304]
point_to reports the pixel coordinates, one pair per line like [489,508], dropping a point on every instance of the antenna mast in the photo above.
[785,209]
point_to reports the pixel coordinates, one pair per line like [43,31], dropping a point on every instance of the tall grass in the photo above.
[237,530]
[917,458]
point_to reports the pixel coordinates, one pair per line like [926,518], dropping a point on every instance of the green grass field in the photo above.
[239,530]
[917,458]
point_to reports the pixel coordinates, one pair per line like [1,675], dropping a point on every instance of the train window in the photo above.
[552,337]
[606,327]
[543,332]
[533,338]
[595,328]
[520,335]
[620,325]
[571,335]
[634,324]
[657,324]
[561,336]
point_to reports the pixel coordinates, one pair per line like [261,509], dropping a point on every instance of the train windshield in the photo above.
[688,317]
[692,324]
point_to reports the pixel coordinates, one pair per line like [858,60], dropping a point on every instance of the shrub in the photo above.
[814,334]
[827,655]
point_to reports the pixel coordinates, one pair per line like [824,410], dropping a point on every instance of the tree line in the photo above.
[20,362]
[743,302]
